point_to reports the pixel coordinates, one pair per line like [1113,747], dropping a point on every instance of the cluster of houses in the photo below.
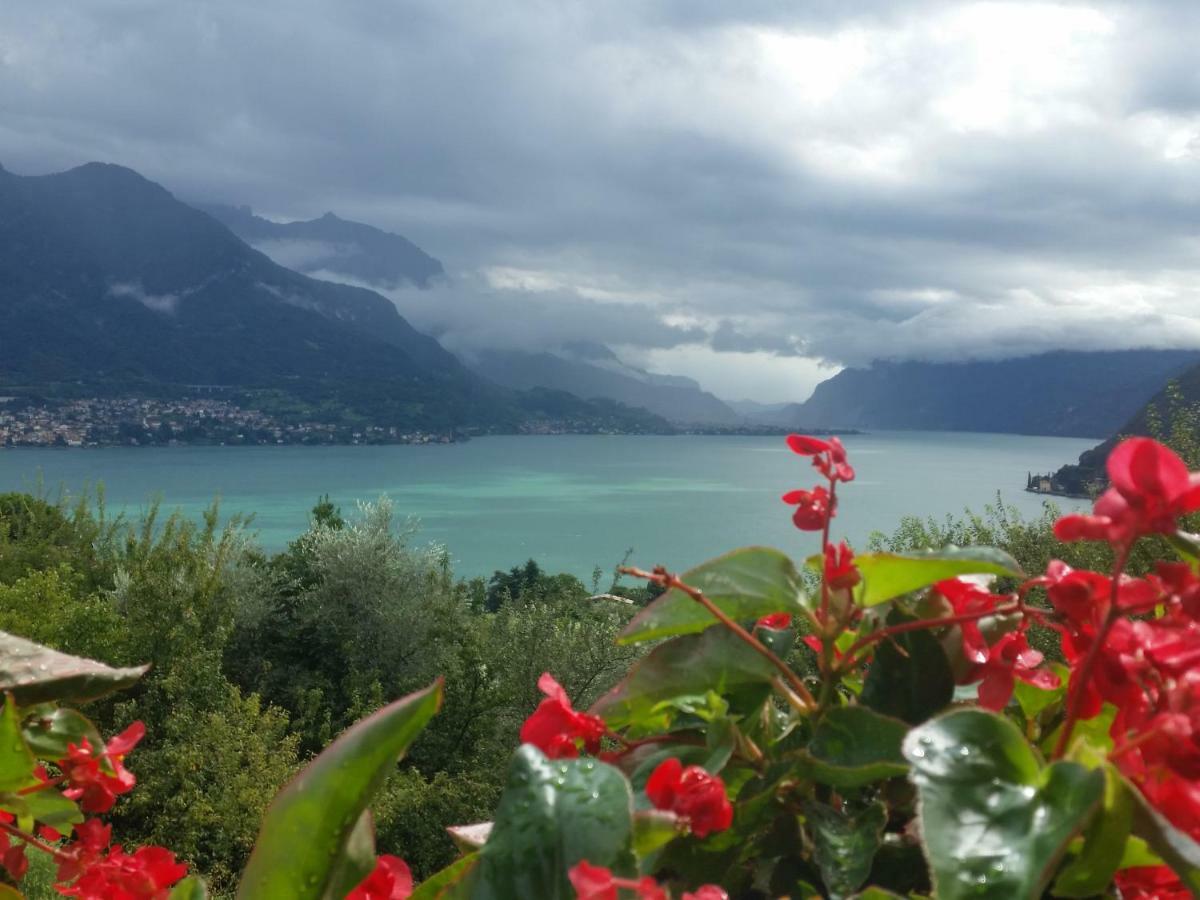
[96,422]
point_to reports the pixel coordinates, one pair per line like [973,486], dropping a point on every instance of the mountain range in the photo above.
[1065,393]
[109,280]
[332,247]
[592,370]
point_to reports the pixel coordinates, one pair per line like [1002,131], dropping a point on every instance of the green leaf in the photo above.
[357,859]
[36,674]
[552,815]
[994,822]
[49,733]
[653,829]
[714,660]
[746,584]
[49,807]
[877,893]
[1089,873]
[1034,700]
[910,677]
[886,576]
[451,883]
[1175,848]
[1187,545]
[189,889]
[309,823]
[844,844]
[853,746]
[16,762]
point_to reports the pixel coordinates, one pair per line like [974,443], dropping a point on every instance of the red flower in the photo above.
[840,571]
[389,880]
[829,457]
[777,621]
[598,883]
[813,508]
[1011,658]
[556,728]
[86,773]
[14,860]
[146,874]
[1151,489]
[968,599]
[692,794]
[1150,883]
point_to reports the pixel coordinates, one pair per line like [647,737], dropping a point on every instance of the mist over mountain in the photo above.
[1065,393]
[108,280]
[330,247]
[592,370]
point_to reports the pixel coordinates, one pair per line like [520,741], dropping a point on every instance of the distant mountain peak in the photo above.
[329,246]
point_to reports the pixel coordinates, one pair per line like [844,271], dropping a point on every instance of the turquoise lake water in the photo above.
[570,502]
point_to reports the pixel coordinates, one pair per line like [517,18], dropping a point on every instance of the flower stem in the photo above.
[33,841]
[1082,676]
[661,576]
[849,662]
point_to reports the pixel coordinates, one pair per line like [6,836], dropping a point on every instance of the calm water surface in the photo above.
[569,502]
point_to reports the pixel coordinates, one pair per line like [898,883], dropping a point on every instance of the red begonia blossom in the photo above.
[829,456]
[1009,659]
[1150,883]
[1151,488]
[146,874]
[840,571]
[391,879]
[557,728]
[776,621]
[692,794]
[967,598]
[813,508]
[598,883]
[87,773]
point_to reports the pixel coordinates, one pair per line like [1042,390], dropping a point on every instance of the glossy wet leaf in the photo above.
[746,585]
[853,746]
[910,677]
[552,815]
[886,576]
[307,827]
[714,660]
[50,732]
[37,674]
[844,844]
[995,823]
[1175,848]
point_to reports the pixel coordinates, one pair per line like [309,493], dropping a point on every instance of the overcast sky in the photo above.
[747,192]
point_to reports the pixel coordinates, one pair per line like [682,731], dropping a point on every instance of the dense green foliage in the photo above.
[271,657]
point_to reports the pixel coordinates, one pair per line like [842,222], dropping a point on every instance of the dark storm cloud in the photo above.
[760,180]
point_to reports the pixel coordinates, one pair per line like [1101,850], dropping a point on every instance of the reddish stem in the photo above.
[849,662]
[34,842]
[661,576]
[1083,674]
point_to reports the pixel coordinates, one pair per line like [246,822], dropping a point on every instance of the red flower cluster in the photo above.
[815,508]
[692,794]
[995,667]
[391,879]
[96,780]
[557,728]
[96,874]
[829,457]
[598,883]
[1151,488]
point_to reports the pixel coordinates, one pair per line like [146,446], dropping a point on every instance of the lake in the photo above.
[570,502]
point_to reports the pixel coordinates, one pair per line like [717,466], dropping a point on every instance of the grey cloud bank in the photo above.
[745,193]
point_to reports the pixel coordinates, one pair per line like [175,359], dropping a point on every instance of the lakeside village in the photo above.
[106,422]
